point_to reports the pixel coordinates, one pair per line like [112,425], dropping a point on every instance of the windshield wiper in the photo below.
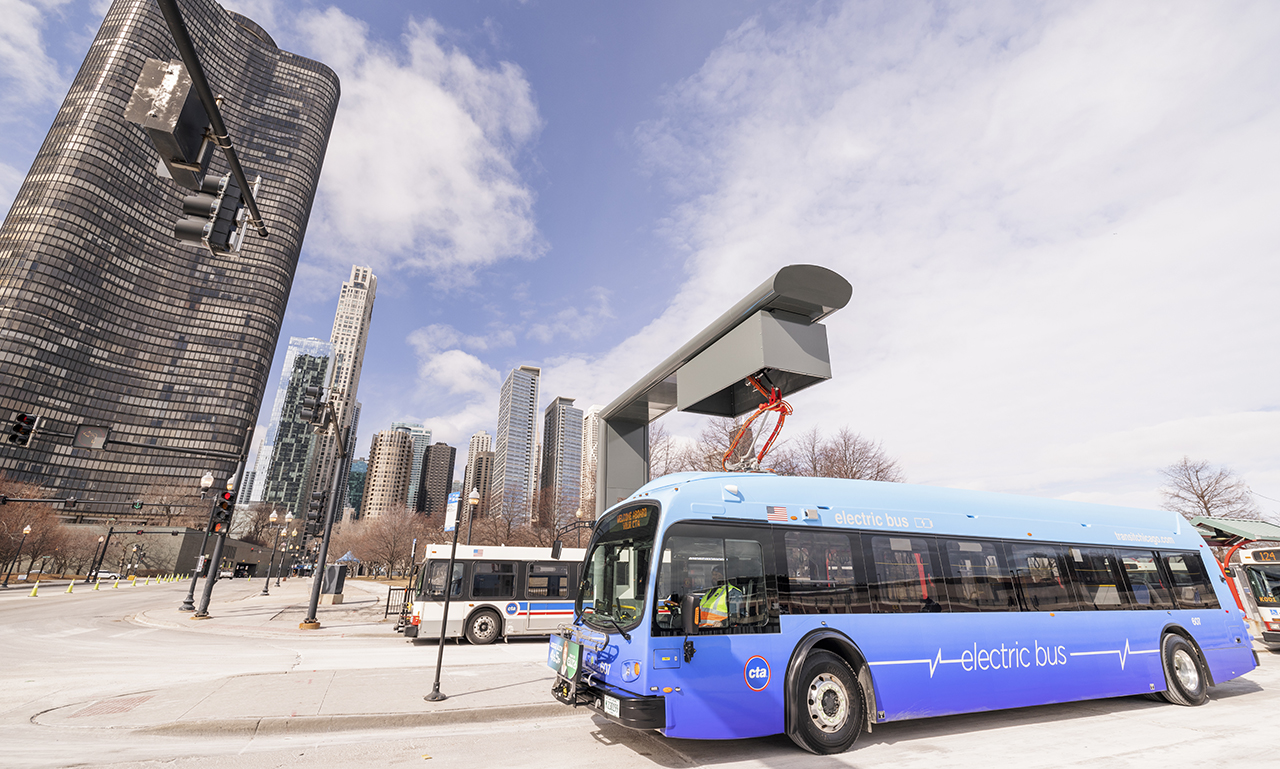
[614,622]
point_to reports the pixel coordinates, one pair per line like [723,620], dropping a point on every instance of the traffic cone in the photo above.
[96,582]
[70,585]
[148,582]
[35,588]
[115,585]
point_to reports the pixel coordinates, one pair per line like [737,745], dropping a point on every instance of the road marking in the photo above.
[134,633]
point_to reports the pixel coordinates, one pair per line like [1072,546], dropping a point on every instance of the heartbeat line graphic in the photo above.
[933,663]
[1122,653]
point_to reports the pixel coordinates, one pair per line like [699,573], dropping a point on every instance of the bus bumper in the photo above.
[1271,640]
[622,709]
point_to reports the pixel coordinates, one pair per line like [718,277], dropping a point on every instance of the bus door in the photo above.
[733,685]
[548,600]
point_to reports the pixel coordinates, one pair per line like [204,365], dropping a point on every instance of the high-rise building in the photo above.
[514,452]
[355,483]
[590,454]
[561,473]
[345,469]
[421,440]
[390,463]
[246,487]
[437,479]
[107,319]
[348,338]
[317,348]
[482,481]
[479,442]
[288,479]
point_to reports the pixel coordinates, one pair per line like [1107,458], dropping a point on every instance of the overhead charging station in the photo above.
[772,333]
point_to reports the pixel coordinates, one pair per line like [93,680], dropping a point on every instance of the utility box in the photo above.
[789,350]
[164,102]
[331,584]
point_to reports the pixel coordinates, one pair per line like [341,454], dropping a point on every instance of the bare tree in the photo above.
[388,538]
[849,455]
[177,505]
[253,523]
[1196,489]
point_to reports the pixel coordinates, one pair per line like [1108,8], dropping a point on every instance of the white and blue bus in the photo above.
[723,606]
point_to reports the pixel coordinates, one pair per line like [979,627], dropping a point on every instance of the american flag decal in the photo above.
[776,513]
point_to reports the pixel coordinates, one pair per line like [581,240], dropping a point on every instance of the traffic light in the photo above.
[315,514]
[23,429]
[223,508]
[213,216]
[314,411]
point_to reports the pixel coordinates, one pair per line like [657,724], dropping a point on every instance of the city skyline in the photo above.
[1046,212]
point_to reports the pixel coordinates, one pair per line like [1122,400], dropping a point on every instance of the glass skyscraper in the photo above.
[515,451]
[309,346]
[104,318]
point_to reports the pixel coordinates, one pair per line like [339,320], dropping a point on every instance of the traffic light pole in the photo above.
[97,562]
[311,623]
[202,612]
[190,603]
[178,28]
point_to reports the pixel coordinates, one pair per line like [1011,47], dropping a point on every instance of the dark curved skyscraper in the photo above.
[104,318]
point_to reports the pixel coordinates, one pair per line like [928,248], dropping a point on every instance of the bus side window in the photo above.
[724,568]
[548,580]
[905,578]
[1040,572]
[820,577]
[1097,573]
[1191,586]
[977,576]
[493,579]
[1145,582]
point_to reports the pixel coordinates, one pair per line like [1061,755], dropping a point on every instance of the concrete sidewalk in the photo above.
[239,608]
[481,685]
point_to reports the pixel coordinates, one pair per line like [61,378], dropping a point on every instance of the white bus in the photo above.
[1261,580]
[497,592]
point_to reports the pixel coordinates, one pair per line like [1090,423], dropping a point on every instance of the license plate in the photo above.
[611,706]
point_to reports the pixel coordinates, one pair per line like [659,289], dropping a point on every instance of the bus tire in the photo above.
[484,627]
[828,710]
[1184,674]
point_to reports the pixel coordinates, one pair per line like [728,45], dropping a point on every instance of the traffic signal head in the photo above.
[211,216]
[313,409]
[22,430]
[223,507]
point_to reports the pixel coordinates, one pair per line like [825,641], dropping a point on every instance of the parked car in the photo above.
[108,575]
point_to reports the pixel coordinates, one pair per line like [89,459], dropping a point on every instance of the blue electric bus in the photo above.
[724,606]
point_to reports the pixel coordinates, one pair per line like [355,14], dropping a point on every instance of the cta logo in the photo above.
[756,674]
[512,608]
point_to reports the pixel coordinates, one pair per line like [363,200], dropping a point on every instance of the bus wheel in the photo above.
[828,710]
[483,627]
[1186,683]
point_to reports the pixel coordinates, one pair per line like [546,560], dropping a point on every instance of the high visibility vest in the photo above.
[715,606]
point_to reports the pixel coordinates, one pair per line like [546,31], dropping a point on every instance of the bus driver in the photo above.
[718,601]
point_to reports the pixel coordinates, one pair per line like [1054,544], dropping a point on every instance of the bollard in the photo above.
[34,589]
[70,585]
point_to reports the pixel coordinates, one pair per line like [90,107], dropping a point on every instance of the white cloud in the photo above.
[572,322]
[1059,225]
[28,75]
[420,172]
[10,180]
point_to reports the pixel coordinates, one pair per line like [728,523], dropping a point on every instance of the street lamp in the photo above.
[206,483]
[93,565]
[472,500]
[436,695]
[273,517]
[25,531]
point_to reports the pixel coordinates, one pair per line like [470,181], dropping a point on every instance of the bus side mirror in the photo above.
[556,547]
[689,609]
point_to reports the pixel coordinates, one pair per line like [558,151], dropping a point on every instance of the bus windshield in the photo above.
[1265,581]
[613,587]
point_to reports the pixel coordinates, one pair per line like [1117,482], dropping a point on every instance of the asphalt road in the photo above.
[66,649]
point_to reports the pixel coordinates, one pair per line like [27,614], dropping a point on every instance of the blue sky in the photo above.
[1058,218]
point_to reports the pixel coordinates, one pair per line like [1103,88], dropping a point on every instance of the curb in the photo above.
[276,725]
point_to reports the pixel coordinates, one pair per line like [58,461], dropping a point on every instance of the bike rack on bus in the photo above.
[773,331]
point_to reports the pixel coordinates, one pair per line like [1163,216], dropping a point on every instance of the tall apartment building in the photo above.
[479,442]
[348,338]
[345,469]
[316,348]
[514,452]
[436,480]
[561,475]
[590,455]
[421,440]
[481,481]
[105,318]
[288,479]
[387,482]
[355,483]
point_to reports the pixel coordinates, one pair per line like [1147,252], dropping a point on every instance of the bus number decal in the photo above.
[756,674]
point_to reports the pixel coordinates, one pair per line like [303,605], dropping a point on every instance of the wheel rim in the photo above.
[828,703]
[1185,669]
[483,627]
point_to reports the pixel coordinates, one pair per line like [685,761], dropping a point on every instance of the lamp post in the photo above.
[202,611]
[93,565]
[283,530]
[25,531]
[266,585]
[436,695]
[190,603]
[293,550]
[472,500]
